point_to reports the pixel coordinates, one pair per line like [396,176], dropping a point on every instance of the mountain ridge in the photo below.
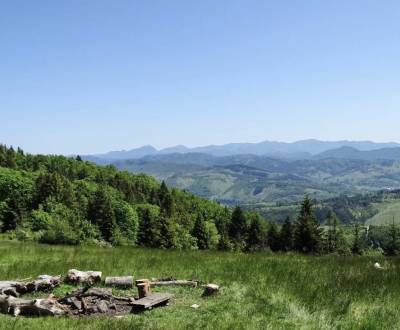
[302,149]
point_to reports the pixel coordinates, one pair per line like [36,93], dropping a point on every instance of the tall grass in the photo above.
[258,291]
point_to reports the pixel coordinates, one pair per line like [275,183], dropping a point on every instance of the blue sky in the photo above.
[82,76]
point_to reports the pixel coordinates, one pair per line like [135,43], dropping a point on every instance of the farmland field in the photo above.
[258,291]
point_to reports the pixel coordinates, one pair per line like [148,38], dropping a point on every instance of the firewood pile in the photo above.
[90,300]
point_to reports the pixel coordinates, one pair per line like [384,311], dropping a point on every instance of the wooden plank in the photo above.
[152,300]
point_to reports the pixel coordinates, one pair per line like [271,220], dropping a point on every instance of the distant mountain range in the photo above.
[305,149]
[268,172]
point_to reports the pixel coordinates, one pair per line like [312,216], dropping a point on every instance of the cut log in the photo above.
[174,282]
[153,300]
[12,288]
[120,282]
[37,307]
[98,292]
[84,277]
[44,283]
[210,290]
[143,289]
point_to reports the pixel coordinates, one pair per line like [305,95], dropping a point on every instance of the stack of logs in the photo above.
[86,301]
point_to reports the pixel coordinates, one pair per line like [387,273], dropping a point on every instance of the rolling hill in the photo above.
[255,179]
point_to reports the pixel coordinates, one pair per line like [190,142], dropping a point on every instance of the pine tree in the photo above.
[392,248]
[165,199]
[200,233]
[273,237]
[307,235]
[78,158]
[356,246]
[238,227]
[332,237]
[101,213]
[255,236]
[286,235]
[10,158]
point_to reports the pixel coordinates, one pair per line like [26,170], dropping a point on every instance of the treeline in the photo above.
[61,200]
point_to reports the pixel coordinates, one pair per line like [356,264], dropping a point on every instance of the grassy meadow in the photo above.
[258,291]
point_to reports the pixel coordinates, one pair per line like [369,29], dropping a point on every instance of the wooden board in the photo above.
[152,300]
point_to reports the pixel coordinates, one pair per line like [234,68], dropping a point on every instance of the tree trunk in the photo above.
[37,307]
[44,283]
[174,282]
[120,282]
[84,277]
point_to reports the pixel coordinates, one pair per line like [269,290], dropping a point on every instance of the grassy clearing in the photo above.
[387,210]
[259,291]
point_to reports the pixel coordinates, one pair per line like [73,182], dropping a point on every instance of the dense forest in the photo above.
[61,200]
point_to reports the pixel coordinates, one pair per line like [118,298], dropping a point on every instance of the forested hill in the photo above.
[55,199]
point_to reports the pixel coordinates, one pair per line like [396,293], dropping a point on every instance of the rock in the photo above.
[102,307]
[210,290]
[195,306]
[84,277]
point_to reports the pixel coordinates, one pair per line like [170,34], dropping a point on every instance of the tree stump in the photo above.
[125,282]
[210,290]
[84,277]
[143,286]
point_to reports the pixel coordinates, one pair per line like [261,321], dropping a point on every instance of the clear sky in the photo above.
[87,76]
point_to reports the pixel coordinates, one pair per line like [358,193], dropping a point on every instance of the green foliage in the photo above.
[238,228]
[286,235]
[356,247]
[70,201]
[307,235]
[256,233]
[273,237]
[392,246]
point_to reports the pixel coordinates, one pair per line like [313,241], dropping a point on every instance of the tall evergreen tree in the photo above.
[255,236]
[273,237]
[165,199]
[200,233]
[101,213]
[356,247]
[392,248]
[332,236]
[307,235]
[238,228]
[286,235]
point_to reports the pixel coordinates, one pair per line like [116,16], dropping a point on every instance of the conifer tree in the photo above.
[356,247]
[101,213]
[307,235]
[238,227]
[332,237]
[286,235]
[200,233]
[392,248]
[273,237]
[165,199]
[255,236]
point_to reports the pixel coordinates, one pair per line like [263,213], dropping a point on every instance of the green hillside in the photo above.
[387,211]
[246,179]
